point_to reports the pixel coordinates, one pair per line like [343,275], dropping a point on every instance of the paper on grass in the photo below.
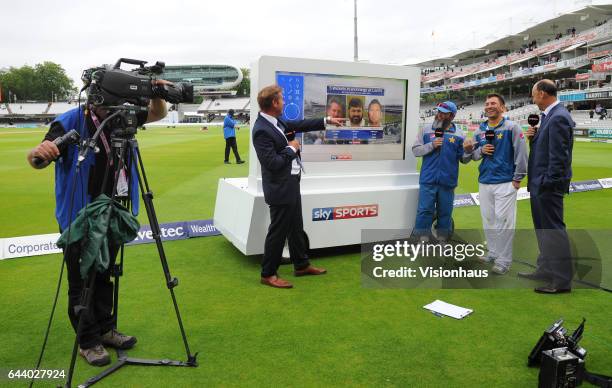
[448,309]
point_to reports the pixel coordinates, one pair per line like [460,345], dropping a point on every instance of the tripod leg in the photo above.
[121,158]
[80,310]
[117,273]
[147,196]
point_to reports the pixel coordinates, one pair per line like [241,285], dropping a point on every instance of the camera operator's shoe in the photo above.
[226,162]
[117,340]
[96,356]
[240,162]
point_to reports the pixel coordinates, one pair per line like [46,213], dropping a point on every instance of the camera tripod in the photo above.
[125,156]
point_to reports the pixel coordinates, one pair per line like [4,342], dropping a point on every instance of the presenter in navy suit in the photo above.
[549,173]
[281,169]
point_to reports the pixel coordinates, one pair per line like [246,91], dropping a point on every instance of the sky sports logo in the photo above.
[344,212]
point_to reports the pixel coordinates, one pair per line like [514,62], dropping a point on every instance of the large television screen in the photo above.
[374,109]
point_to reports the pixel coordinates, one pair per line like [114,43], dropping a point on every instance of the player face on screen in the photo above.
[334,110]
[375,114]
[355,116]
[355,112]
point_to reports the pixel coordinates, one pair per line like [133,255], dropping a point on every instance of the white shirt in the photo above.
[547,110]
[295,166]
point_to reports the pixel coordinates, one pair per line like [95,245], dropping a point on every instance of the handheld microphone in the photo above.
[490,135]
[533,119]
[439,133]
[72,137]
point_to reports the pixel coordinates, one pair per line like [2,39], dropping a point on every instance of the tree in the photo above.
[52,81]
[43,82]
[244,89]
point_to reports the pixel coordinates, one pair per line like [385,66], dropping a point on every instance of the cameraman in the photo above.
[98,326]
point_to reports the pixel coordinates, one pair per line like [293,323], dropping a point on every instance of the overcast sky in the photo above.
[82,34]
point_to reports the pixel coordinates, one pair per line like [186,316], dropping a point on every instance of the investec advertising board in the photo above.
[45,244]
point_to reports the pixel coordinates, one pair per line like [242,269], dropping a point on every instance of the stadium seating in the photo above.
[28,108]
[188,108]
[583,120]
[485,68]
[60,107]
[473,112]
[224,104]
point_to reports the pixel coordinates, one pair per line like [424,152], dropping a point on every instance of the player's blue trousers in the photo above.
[432,199]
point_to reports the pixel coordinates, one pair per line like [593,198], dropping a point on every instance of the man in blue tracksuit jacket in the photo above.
[503,165]
[439,172]
[229,132]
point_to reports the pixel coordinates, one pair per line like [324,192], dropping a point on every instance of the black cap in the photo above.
[230,112]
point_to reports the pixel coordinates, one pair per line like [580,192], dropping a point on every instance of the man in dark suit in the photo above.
[281,172]
[549,173]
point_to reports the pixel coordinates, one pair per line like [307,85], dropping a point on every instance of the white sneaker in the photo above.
[486,259]
[500,269]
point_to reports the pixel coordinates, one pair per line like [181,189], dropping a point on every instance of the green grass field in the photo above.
[327,331]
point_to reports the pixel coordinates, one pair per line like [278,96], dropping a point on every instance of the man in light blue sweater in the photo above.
[500,146]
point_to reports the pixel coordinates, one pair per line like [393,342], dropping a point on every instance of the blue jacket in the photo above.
[228,127]
[440,167]
[509,160]
[65,172]
[550,156]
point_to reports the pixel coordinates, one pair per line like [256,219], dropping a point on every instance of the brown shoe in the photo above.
[310,270]
[96,355]
[117,340]
[275,281]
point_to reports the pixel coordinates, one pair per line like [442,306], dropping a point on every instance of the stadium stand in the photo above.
[215,109]
[518,109]
[60,107]
[4,109]
[28,108]
[516,64]
[573,49]
[32,112]
[222,105]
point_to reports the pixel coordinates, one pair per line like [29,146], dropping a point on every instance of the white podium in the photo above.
[348,185]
